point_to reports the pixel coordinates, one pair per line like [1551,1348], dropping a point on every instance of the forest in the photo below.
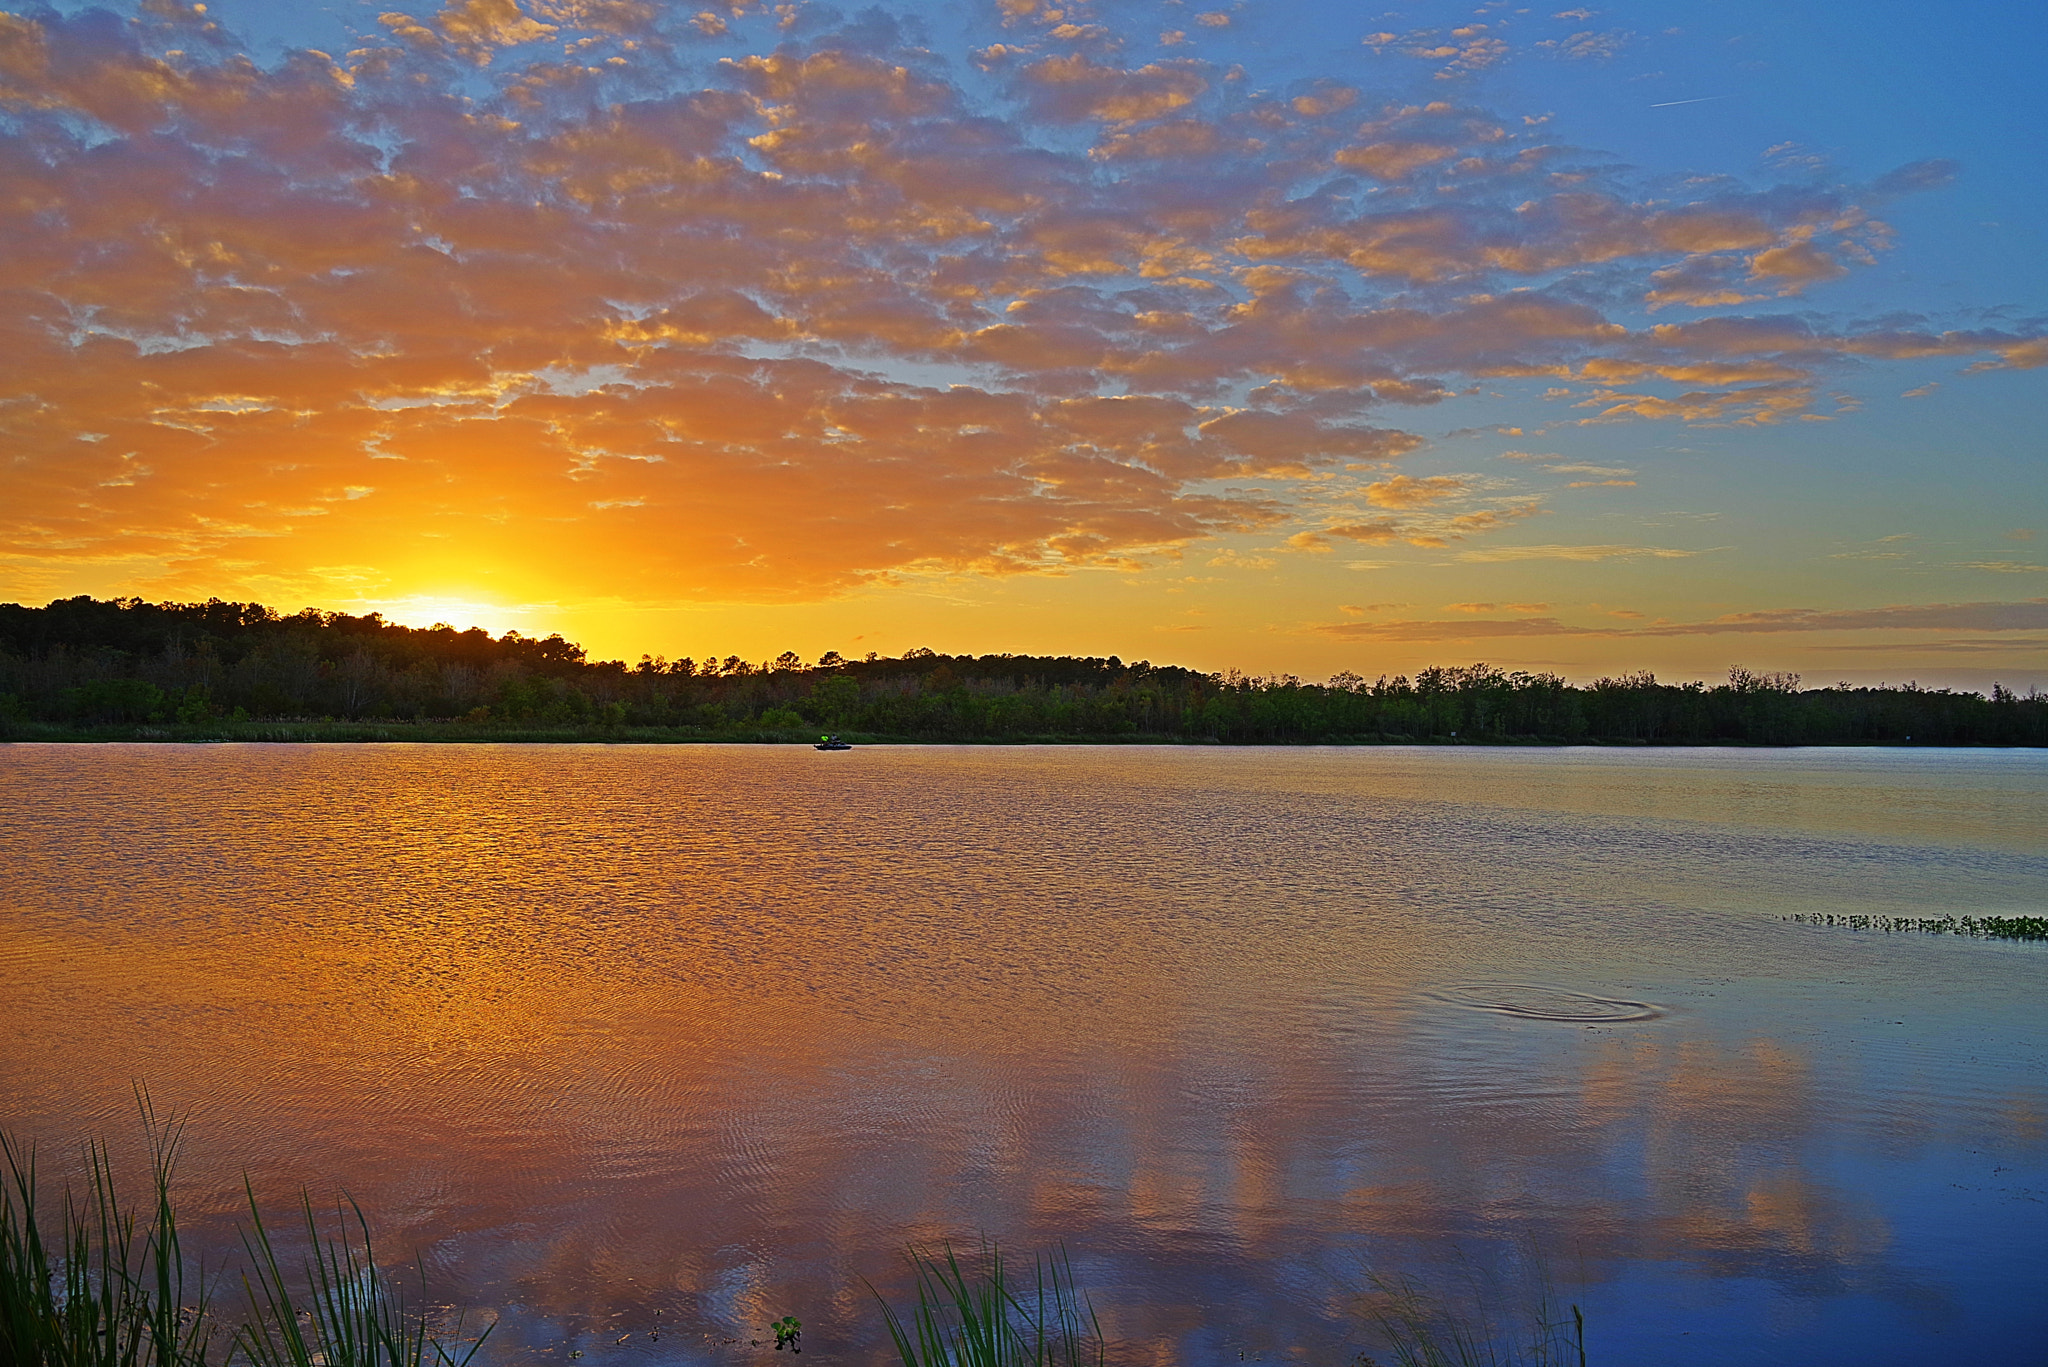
[124,669]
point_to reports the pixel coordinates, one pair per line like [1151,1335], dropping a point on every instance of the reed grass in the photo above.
[100,1290]
[1421,1331]
[965,1318]
[351,1315]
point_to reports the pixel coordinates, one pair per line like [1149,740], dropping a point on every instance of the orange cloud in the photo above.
[1394,160]
[1072,88]
[602,315]
[1404,491]
[472,28]
[2031,615]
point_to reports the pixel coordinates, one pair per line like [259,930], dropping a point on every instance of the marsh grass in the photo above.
[1420,1330]
[350,1314]
[100,1290]
[973,1318]
[85,1283]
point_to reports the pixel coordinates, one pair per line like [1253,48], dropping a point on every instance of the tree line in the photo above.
[115,666]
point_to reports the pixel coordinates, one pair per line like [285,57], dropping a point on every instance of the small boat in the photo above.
[831,743]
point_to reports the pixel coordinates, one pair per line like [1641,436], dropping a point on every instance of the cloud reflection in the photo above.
[616,1031]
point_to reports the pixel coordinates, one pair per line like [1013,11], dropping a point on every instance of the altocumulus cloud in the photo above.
[2030,615]
[772,305]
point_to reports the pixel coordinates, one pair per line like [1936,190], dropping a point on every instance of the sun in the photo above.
[453,609]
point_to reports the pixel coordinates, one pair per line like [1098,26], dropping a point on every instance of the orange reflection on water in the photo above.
[718,1032]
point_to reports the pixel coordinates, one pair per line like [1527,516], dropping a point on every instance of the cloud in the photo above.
[1462,51]
[1293,443]
[1587,45]
[1916,177]
[1491,519]
[1507,554]
[1447,630]
[1382,533]
[2031,615]
[2009,646]
[1394,160]
[1794,266]
[547,294]
[1072,88]
[1406,491]
[1750,406]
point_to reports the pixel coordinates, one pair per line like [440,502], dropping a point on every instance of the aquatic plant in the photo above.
[350,1315]
[789,1333]
[1422,1332]
[974,1319]
[104,1292]
[1978,927]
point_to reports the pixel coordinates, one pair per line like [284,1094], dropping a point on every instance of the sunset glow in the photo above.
[428,610]
[1279,337]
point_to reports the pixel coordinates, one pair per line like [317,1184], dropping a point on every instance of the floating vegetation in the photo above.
[1977,927]
[789,1333]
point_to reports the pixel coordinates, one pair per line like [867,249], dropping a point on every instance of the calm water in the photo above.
[622,1038]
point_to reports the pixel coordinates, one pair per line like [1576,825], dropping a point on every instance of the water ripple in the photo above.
[1536,1002]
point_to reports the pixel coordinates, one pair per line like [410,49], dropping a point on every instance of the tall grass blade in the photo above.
[31,1314]
[1421,1331]
[103,1294]
[963,1319]
[180,1333]
[342,1313]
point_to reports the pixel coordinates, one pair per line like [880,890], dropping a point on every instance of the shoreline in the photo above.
[405,732]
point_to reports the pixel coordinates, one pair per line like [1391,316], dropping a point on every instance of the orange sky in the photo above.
[1049,330]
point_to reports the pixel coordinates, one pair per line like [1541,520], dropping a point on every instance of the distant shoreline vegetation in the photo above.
[84,669]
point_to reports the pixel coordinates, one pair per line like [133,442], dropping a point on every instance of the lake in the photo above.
[633,1040]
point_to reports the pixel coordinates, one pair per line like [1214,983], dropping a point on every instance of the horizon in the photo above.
[704,664]
[1268,338]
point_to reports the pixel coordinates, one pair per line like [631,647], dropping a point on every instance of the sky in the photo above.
[1288,337]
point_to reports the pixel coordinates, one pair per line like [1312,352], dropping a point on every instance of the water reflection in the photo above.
[714,1033]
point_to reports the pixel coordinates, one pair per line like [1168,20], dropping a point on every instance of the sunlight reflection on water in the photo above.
[716,1031]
